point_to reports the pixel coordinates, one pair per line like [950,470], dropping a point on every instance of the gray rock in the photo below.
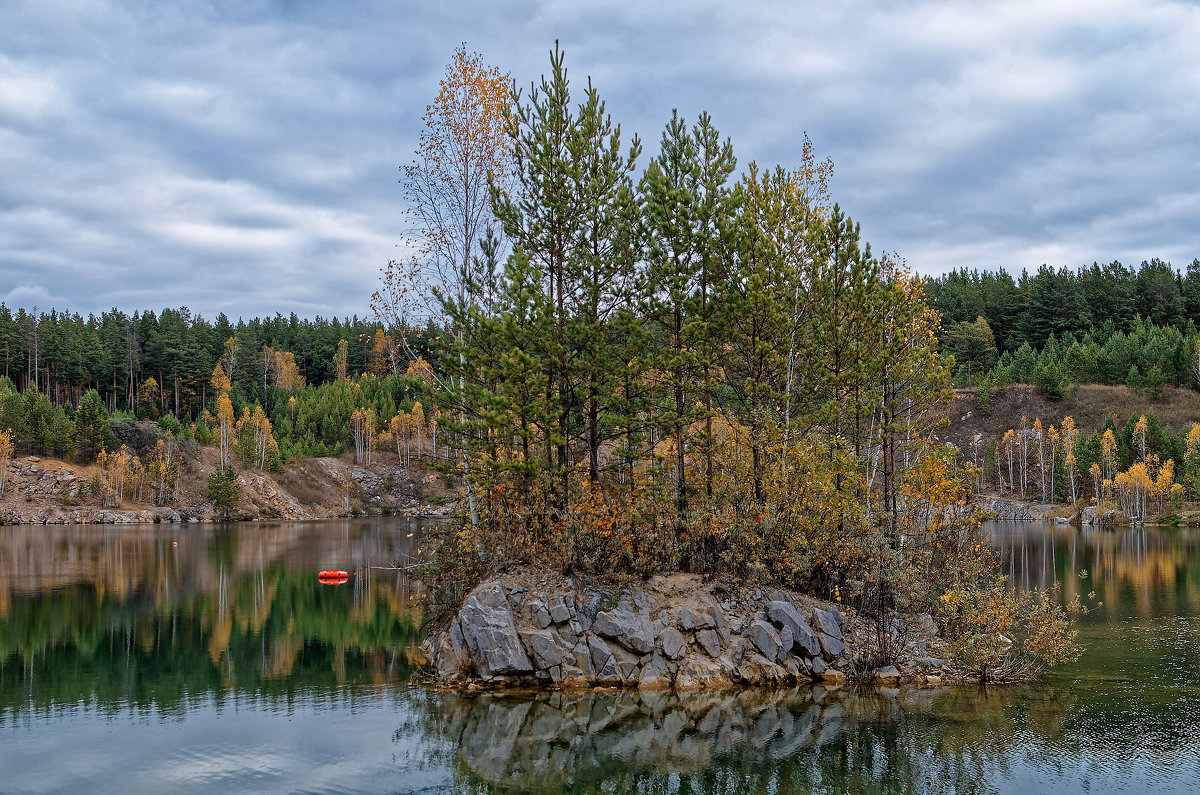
[492,597]
[653,675]
[541,617]
[784,614]
[604,665]
[633,632]
[488,630]
[672,643]
[833,646]
[785,639]
[766,639]
[931,662]
[718,616]
[818,666]
[689,619]
[567,634]
[829,632]
[627,671]
[451,655]
[543,647]
[558,611]
[583,659]
[826,621]
[710,642]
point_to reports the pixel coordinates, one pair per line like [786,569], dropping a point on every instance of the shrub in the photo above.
[998,634]
[223,490]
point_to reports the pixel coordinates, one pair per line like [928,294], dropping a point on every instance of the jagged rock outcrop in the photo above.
[673,631]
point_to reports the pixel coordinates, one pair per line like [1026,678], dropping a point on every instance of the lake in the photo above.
[200,658]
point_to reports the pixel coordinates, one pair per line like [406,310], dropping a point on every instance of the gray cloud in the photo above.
[242,156]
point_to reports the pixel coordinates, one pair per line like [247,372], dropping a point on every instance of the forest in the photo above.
[1106,324]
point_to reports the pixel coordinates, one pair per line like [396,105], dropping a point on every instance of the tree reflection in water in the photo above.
[101,627]
[166,618]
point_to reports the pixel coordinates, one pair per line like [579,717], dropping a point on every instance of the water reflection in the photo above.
[801,740]
[198,658]
[1136,572]
[167,617]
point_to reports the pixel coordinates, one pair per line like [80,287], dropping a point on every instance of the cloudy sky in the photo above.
[242,156]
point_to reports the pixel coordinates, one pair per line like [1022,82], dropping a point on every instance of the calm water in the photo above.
[209,659]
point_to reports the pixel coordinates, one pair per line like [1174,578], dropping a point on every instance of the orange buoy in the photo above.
[333,574]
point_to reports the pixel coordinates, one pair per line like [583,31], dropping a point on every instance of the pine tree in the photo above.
[686,206]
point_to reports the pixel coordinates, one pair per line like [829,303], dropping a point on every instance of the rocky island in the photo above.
[672,631]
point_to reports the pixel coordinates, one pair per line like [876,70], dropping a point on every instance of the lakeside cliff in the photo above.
[49,491]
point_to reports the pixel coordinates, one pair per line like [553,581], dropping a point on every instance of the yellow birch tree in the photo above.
[6,454]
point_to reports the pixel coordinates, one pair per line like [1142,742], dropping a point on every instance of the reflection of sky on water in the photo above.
[308,745]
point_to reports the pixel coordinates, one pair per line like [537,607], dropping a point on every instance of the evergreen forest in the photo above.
[1107,324]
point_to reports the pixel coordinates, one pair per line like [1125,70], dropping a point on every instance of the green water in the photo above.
[202,658]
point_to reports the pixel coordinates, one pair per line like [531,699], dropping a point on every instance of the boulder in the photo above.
[653,675]
[718,616]
[697,672]
[691,619]
[829,631]
[766,639]
[559,613]
[539,614]
[833,646]
[786,642]
[672,643]
[451,655]
[710,642]
[604,665]
[633,632]
[924,625]
[833,676]
[492,597]
[784,614]
[487,628]
[543,647]
[827,622]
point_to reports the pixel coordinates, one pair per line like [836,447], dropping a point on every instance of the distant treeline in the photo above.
[1107,324]
[64,354]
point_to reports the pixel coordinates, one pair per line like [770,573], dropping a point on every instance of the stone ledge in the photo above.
[671,632]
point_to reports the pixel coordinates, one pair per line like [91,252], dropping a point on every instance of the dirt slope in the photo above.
[1089,405]
[41,491]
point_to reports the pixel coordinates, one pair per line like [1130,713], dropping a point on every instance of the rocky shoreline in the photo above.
[1007,509]
[673,631]
[50,491]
